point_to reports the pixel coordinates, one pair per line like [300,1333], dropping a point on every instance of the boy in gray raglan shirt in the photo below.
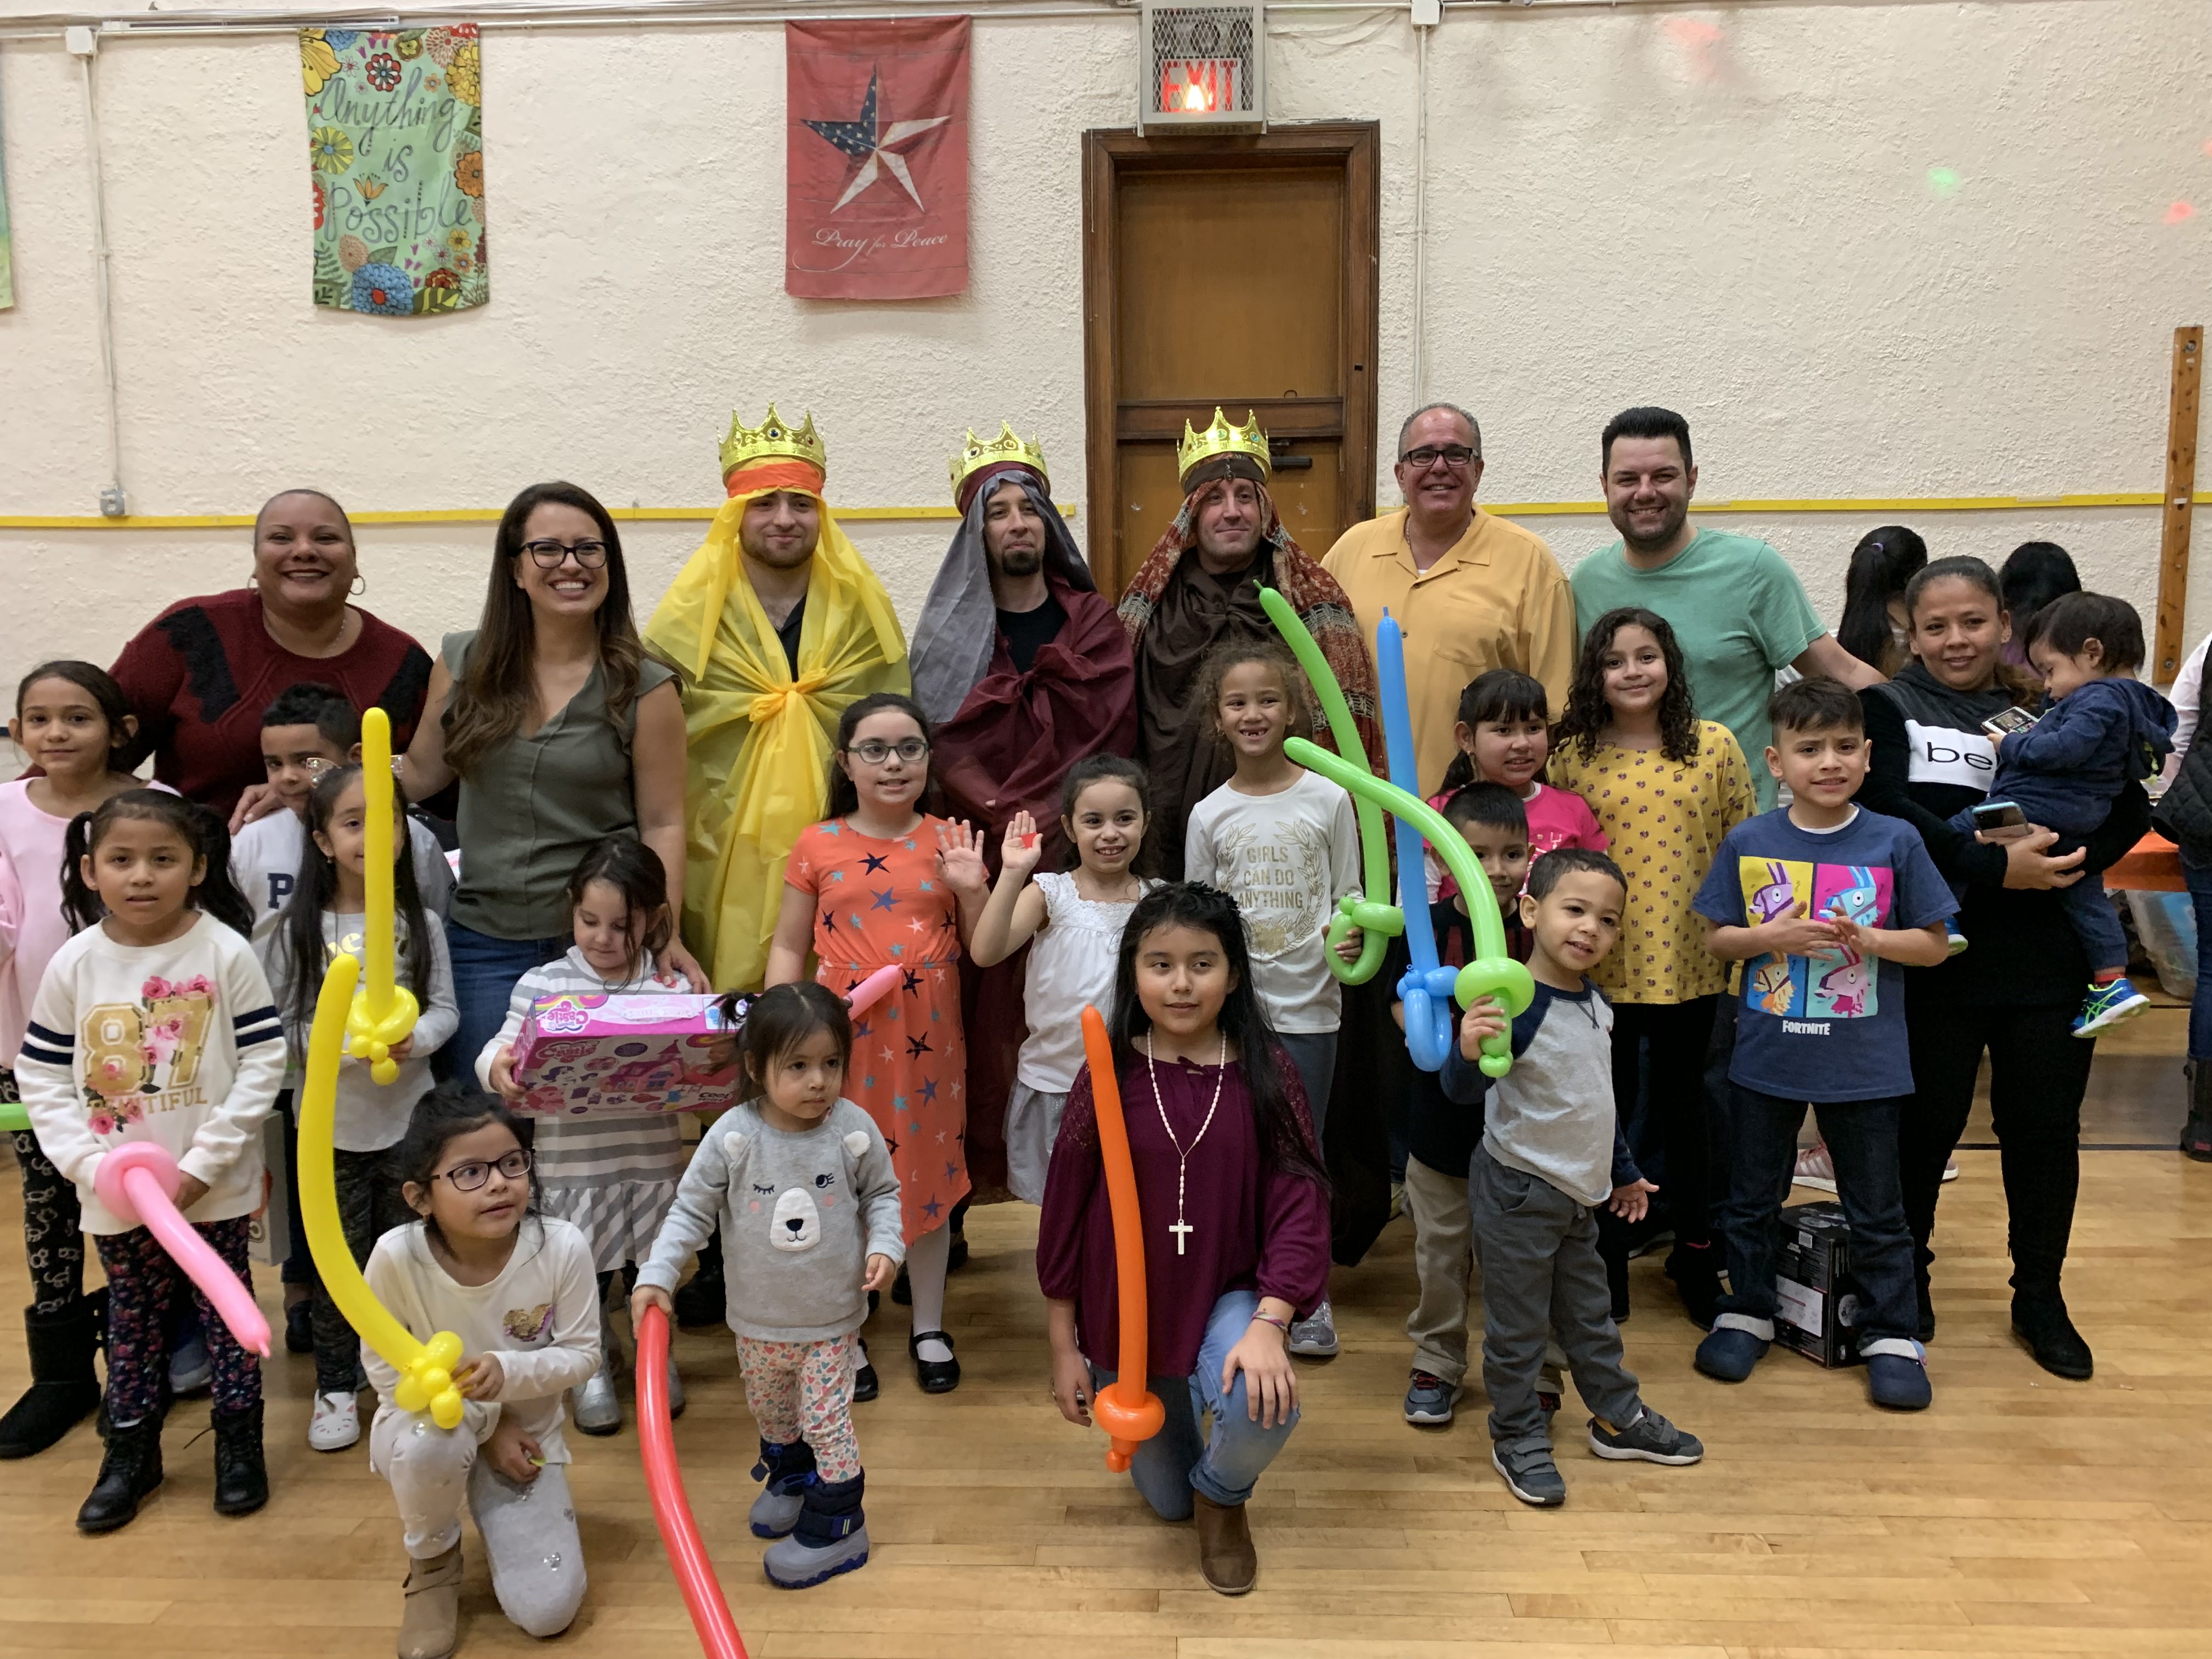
[1552,1148]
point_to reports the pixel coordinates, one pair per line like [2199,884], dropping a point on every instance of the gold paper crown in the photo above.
[1223,439]
[976,455]
[774,436]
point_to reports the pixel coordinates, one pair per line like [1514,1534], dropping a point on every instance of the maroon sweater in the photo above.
[1250,1230]
[199,675]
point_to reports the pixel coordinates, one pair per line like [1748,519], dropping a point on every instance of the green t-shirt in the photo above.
[1740,614]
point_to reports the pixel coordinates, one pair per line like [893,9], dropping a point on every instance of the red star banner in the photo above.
[876,158]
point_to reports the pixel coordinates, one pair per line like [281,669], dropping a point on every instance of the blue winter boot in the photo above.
[789,1470]
[831,1536]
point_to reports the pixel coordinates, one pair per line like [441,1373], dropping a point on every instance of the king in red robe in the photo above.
[1024,669]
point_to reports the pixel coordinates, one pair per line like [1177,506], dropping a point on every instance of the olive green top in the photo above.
[532,807]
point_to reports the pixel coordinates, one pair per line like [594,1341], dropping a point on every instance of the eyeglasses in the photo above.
[875,751]
[467,1177]
[548,555]
[1454,456]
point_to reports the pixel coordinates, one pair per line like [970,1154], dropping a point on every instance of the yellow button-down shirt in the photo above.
[1498,599]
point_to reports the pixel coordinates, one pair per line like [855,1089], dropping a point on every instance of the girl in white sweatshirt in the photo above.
[154,1022]
[517,1289]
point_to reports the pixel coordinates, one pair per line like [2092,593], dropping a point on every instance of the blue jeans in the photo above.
[2199,877]
[2089,913]
[484,972]
[1862,1137]
[1228,1463]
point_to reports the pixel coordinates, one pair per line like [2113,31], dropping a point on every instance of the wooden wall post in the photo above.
[2180,492]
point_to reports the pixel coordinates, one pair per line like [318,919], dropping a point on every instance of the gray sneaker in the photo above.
[1430,1399]
[1530,1473]
[1650,1437]
[1314,1337]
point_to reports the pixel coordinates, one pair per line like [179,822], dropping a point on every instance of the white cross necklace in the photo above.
[1183,1229]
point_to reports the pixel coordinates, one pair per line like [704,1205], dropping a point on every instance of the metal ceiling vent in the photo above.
[1203,66]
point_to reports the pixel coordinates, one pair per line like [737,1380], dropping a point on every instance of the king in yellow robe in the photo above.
[762,735]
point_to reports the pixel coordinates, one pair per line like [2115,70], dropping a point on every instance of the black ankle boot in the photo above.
[2197,1133]
[130,1469]
[2040,1321]
[704,1298]
[241,1477]
[64,1390]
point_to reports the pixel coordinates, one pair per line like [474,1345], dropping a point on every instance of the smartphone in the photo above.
[1992,815]
[2005,721]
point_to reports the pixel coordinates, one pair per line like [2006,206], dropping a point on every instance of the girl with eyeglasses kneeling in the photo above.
[517,1289]
[879,882]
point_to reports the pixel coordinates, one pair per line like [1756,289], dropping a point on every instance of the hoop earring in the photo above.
[359,584]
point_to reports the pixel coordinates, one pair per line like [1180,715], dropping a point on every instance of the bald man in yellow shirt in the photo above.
[1471,592]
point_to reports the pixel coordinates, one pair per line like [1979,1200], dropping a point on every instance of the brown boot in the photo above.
[1226,1555]
[431,1627]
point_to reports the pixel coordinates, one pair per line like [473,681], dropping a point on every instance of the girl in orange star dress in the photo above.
[866,888]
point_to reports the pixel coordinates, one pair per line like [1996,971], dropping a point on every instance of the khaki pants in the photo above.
[1444,1264]
[1443,1261]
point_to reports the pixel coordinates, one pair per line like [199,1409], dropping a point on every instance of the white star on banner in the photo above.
[876,146]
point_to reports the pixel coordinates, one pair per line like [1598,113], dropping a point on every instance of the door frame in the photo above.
[1107,153]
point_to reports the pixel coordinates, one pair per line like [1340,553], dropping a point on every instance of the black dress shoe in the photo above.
[865,1385]
[2039,1320]
[955,1257]
[935,1376]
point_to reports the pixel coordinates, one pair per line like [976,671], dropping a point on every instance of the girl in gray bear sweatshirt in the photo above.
[800,1182]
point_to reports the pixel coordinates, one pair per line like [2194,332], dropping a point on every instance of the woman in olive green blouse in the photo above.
[561,732]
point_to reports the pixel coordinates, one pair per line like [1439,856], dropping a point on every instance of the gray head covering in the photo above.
[959,626]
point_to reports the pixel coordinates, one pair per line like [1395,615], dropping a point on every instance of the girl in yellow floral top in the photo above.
[1666,787]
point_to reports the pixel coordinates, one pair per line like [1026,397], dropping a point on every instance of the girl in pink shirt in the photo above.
[1504,736]
[71,722]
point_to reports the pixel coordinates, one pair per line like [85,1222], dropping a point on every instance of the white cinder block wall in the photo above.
[1725,211]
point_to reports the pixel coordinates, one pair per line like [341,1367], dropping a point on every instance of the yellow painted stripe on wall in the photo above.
[853,514]
[451,515]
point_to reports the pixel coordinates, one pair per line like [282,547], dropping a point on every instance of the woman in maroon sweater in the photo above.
[1235,1221]
[199,675]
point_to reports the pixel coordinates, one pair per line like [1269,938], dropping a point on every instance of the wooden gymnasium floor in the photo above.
[2022,1516]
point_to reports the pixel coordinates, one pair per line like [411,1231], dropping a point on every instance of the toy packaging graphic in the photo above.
[649,1052]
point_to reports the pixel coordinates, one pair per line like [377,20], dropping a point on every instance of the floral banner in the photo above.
[395,145]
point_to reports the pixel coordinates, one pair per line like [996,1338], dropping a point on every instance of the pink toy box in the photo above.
[654,1052]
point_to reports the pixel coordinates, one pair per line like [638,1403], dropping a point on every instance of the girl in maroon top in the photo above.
[1235,1221]
[199,675]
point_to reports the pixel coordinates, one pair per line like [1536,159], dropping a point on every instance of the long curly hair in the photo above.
[1588,713]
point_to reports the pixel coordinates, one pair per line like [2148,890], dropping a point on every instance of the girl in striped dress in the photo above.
[614,1176]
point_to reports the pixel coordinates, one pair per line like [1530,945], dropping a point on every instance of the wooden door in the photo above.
[1237,273]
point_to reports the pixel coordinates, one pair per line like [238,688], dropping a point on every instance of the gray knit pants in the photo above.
[529,1532]
[1541,1277]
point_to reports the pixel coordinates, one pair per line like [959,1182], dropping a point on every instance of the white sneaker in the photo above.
[1314,1337]
[1815,1169]
[336,1422]
[1950,1168]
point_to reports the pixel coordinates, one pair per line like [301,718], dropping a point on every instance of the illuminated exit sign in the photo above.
[1203,66]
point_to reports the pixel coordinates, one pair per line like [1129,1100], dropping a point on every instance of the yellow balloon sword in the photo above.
[368,1020]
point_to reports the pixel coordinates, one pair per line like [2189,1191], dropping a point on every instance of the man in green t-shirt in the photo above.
[1739,612]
